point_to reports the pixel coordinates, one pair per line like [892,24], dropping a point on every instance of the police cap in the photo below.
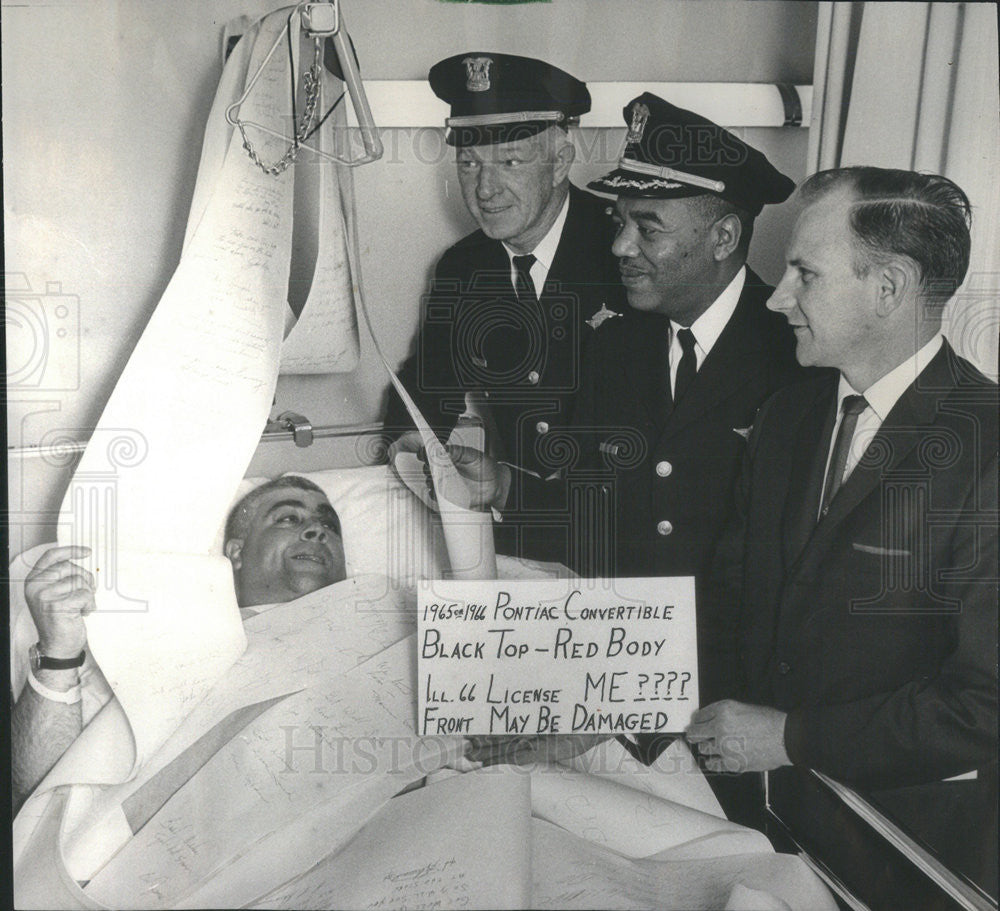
[502,97]
[671,153]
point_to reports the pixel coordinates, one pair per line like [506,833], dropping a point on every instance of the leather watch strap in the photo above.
[45,663]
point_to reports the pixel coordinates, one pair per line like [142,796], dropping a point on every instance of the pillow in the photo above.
[389,531]
[386,529]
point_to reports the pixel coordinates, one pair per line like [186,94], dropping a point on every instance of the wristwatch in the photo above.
[41,662]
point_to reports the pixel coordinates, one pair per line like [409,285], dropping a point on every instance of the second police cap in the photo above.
[502,97]
[671,153]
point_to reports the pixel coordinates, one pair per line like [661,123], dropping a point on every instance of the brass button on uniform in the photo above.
[542,427]
[663,527]
[533,377]
[663,469]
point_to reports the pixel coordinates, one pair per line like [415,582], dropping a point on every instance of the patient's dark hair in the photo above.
[240,519]
[925,217]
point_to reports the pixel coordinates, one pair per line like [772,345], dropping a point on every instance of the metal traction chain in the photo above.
[310,84]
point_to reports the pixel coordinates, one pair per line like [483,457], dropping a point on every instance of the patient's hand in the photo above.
[59,595]
[522,751]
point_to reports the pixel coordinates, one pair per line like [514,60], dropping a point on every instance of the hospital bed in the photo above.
[602,829]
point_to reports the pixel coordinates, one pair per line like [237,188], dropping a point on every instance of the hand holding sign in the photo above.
[739,738]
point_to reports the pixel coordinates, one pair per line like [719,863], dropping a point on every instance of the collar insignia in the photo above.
[477,73]
[600,316]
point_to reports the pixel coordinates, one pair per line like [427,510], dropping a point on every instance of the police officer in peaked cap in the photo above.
[505,318]
[674,385]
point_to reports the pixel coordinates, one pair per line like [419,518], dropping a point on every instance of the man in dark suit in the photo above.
[860,568]
[505,316]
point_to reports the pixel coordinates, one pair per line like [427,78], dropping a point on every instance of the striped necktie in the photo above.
[850,408]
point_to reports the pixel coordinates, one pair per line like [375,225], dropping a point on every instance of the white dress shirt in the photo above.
[544,252]
[881,397]
[708,327]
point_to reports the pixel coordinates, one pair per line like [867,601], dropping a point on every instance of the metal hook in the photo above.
[322,24]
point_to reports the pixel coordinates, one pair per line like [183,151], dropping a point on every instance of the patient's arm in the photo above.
[59,594]
[41,731]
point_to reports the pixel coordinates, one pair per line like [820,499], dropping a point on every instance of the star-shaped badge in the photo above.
[603,314]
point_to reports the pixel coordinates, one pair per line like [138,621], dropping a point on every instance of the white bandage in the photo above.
[69,697]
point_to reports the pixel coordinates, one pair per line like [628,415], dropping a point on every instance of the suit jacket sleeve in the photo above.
[934,727]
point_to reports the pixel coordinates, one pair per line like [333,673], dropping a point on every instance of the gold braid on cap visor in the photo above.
[640,167]
[485,120]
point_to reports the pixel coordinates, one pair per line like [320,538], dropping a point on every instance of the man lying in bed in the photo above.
[283,539]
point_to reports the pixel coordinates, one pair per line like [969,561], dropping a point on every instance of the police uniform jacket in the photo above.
[476,336]
[667,474]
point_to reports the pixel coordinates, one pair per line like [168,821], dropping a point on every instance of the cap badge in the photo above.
[477,73]
[640,114]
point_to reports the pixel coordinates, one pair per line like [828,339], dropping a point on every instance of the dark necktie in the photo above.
[850,408]
[524,287]
[688,366]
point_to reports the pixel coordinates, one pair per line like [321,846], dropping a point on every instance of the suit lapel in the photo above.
[563,261]
[808,463]
[494,271]
[644,354]
[724,371]
[901,431]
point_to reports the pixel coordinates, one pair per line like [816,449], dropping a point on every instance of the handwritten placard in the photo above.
[556,656]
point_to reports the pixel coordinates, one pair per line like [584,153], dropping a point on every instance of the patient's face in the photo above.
[293,547]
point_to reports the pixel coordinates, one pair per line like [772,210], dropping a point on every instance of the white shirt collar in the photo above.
[545,249]
[708,327]
[883,394]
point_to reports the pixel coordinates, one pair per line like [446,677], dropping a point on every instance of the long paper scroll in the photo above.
[192,400]
[324,336]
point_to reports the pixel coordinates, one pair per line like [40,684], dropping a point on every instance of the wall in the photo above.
[104,108]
